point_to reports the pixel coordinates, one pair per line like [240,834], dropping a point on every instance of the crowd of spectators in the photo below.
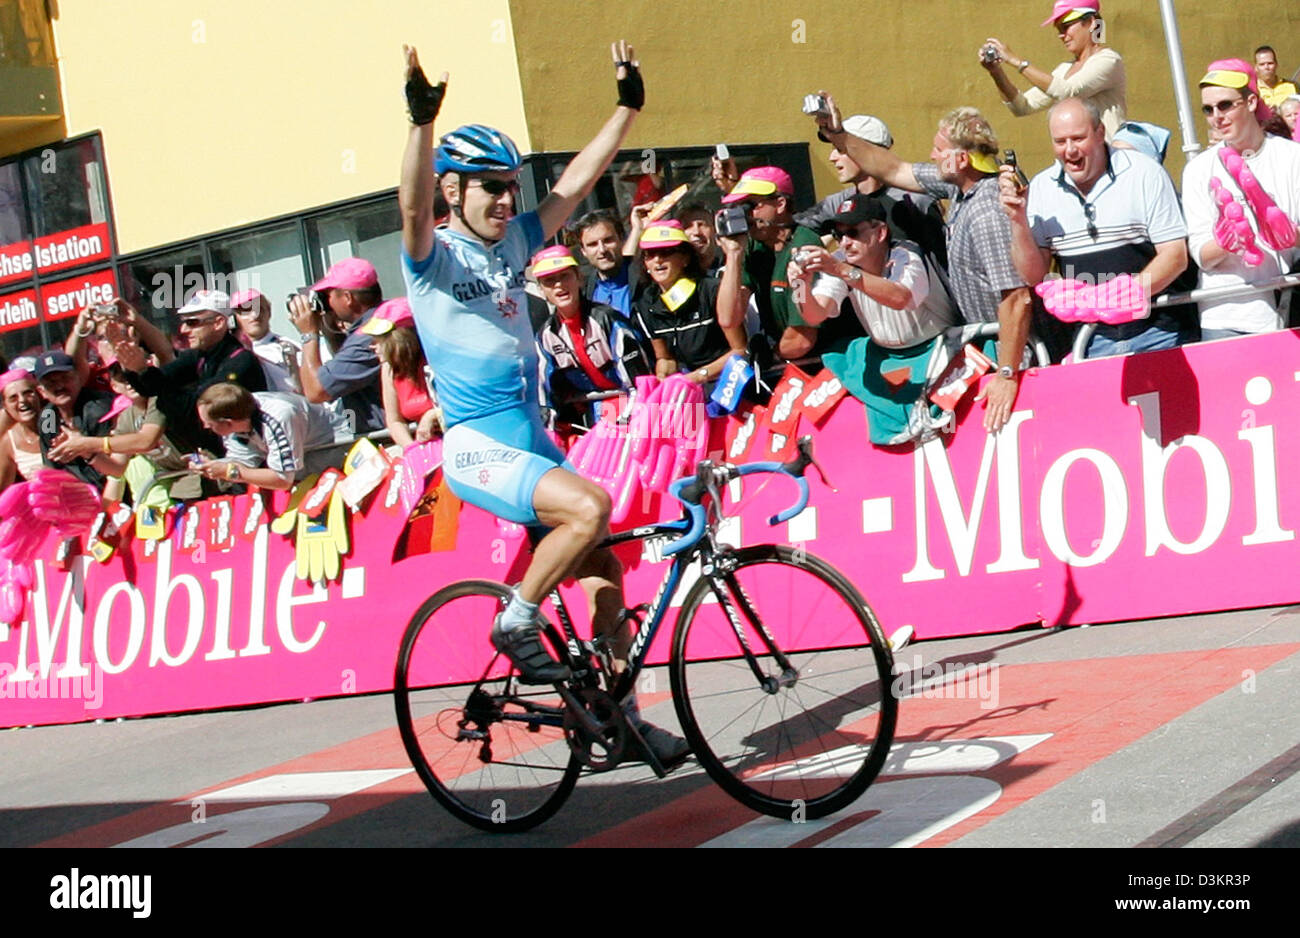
[907,251]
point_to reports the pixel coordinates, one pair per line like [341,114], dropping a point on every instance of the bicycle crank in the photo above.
[598,733]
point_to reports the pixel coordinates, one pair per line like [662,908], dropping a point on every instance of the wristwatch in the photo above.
[703,373]
[232,472]
[1006,371]
[854,274]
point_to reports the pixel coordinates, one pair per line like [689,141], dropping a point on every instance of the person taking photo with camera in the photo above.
[1096,73]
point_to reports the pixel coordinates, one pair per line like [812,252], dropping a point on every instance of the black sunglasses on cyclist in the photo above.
[496,187]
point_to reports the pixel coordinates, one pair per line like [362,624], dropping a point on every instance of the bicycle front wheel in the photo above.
[782,679]
[490,750]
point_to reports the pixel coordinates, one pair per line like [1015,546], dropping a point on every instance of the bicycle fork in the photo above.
[770,684]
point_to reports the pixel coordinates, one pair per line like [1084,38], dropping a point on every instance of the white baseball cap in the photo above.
[206,301]
[868,128]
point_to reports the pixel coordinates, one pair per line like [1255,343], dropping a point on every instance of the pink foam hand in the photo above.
[662,474]
[1070,300]
[1122,299]
[15,580]
[624,497]
[579,451]
[21,532]
[1226,232]
[61,500]
[1275,227]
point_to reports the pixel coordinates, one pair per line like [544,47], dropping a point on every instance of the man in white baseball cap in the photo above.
[912,216]
[214,355]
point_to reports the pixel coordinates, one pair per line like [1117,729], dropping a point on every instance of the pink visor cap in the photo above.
[15,374]
[390,315]
[246,298]
[1072,10]
[551,260]
[352,273]
[761,180]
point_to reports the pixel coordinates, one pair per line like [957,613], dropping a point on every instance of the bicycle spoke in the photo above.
[520,770]
[800,750]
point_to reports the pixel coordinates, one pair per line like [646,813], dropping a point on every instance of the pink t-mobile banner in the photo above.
[1152,485]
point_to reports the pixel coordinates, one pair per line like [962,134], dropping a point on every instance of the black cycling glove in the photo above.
[423,99]
[631,90]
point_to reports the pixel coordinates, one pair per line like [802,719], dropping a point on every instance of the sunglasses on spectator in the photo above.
[195,321]
[659,252]
[496,187]
[1223,107]
[867,230]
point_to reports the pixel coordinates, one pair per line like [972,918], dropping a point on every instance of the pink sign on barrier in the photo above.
[1122,488]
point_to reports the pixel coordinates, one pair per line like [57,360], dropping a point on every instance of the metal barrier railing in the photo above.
[1284,282]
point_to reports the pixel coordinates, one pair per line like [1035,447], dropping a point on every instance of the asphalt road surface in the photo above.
[1165,733]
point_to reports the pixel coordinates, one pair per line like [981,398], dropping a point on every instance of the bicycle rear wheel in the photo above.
[800,741]
[489,749]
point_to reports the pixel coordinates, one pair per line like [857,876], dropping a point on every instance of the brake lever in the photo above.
[822,473]
[803,459]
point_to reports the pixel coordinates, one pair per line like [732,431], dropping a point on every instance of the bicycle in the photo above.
[791,711]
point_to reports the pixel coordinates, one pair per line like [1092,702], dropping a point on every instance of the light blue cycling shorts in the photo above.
[495,462]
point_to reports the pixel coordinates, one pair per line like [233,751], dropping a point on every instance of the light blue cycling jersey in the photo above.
[471,314]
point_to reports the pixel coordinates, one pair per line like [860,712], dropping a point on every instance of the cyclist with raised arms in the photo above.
[465,283]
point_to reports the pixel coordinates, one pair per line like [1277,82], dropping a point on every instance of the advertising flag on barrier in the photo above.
[433,523]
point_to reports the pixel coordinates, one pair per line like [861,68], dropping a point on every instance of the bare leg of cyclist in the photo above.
[601,576]
[577,511]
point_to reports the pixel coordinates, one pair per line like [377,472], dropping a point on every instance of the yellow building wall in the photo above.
[735,71]
[216,114]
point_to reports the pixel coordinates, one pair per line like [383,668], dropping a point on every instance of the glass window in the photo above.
[269,261]
[372,231]
[66,187]
[25,34]
[158,285]
[13,212]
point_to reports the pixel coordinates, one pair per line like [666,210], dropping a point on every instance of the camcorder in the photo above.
[313,300]
[732,220]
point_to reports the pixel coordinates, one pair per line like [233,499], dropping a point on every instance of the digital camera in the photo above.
[815,104]
[989,53]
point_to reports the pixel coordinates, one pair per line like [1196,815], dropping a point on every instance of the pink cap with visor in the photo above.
[551,260]
[352,273]
[390,315]
[761,180]
[1072,10]
[246,298]
[1237,74]
[15,374]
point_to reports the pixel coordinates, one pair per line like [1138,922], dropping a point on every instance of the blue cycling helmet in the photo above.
[475,148]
